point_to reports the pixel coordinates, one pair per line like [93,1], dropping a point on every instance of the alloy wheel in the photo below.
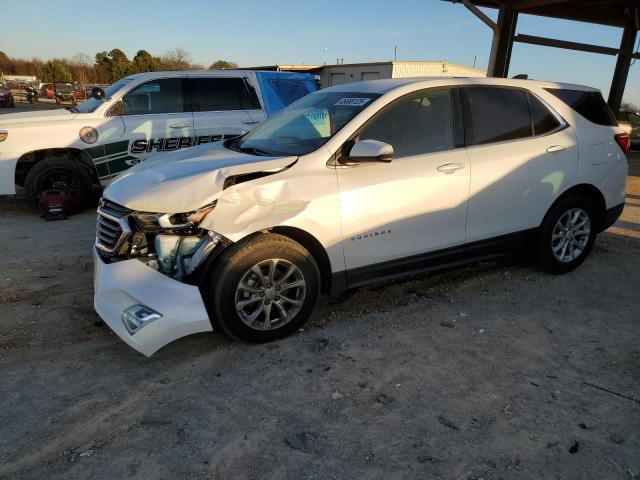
[571,235]
[270,294]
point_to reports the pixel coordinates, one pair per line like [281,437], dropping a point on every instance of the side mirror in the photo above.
[371,151]
[97,93]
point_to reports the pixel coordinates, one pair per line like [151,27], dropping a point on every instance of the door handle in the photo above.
[556,148]
[179,126]
[450,167]
[251,123]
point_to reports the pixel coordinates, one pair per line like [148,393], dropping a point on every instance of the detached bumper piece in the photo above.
[145,308]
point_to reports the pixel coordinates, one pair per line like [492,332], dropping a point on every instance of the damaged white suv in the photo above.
[350,185]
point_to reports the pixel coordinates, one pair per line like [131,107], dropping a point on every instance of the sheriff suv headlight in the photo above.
[156,222]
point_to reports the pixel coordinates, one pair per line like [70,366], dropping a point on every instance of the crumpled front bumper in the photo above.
[121,285]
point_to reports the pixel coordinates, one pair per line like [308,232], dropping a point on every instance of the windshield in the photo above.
[92,104]
[305,125]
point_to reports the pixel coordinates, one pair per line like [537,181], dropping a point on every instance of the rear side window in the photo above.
[543,120]
[498,114]
[289,90]
[590,105]
[158,96]
[219,94]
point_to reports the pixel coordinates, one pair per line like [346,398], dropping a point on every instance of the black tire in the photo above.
[62,174]
[545,253]
[219,289]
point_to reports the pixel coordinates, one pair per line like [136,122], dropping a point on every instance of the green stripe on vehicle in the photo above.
[102,169]
[95,153]
[104,165]
[116,147]
[120,164]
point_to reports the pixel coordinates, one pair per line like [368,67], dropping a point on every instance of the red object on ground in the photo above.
[54,204]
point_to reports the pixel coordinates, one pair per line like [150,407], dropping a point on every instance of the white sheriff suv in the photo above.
[350,185]
[132,119]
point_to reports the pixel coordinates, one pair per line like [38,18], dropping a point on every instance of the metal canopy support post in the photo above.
[622,67]
[502,44]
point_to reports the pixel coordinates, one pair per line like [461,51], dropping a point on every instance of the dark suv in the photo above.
[65,92]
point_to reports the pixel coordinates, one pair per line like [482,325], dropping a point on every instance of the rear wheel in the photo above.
[263,289]
[60,174]
[568,234]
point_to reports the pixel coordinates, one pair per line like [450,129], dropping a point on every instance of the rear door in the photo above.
[521,156]
[220,107]
[156,119]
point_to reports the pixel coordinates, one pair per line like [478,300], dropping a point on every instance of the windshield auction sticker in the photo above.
[352,101]
[319,118]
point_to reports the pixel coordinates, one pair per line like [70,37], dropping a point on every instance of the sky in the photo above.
[254,32]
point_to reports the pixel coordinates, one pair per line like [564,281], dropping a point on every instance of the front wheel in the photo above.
[60,174]
[262,289]
[568,234]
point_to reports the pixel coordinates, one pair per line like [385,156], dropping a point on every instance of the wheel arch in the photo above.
[28,160]
[586,190]
[314,247]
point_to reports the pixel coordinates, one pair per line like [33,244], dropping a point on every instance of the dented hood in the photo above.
[186,180]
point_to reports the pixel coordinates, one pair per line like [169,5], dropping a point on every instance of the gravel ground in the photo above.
[494,371]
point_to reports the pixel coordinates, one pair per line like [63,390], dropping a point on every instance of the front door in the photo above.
[415,204]
[156,119]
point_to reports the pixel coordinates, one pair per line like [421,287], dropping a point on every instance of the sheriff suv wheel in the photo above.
[568,234]
[59,173]
[262,289]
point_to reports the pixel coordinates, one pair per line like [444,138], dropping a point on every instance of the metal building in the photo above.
[355,72]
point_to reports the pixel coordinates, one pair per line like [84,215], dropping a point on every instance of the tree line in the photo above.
[105,67]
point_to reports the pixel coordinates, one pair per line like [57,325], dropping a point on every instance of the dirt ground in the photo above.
[489,371]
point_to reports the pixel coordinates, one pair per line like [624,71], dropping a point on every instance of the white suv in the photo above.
[350,185]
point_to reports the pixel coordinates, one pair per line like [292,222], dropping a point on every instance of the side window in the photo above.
[543,120]
[589,104]
[157,96]
[116,110]
[499,114]
[289,90]
[219,94]
[416,125]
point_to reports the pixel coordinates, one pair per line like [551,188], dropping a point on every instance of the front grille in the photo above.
[112,228]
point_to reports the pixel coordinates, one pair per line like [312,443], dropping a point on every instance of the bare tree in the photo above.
[82,59]
[176,59]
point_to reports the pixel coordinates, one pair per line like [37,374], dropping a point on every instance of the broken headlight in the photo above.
[157,222]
